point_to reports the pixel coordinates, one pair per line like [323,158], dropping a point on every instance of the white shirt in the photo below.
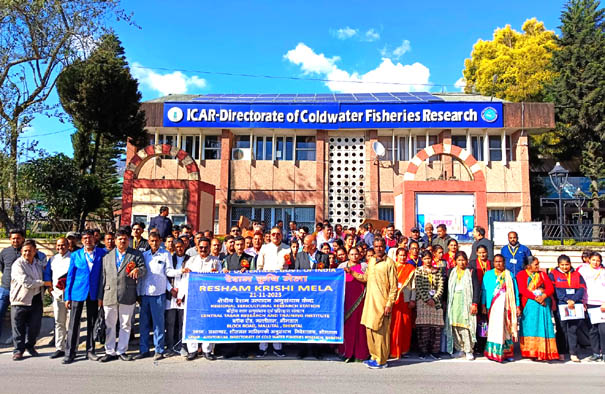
[159,268]
[198,264]
[312,259]
[191,252]
[272,257]
[59,266]
[178,281]
[251,251]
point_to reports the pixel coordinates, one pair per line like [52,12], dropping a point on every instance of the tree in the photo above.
[513,66]
[56,182]
[102,99]
[37,38]
[579,90]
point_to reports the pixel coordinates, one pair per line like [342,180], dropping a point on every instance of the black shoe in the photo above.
[261,353]
[191,356]
[108,357]
[318,355]
[158,356]
[141,356]
[301,355]
[92,357]
[243,355]
[209,356]
[57,354]
[67,360]
[33,352]
[279,353]
[125,357]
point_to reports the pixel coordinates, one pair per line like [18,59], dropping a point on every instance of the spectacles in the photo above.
[275,234]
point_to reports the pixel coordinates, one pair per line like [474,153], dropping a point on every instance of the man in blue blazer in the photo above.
[81,289]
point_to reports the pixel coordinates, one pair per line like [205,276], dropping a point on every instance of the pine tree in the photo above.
[579,90]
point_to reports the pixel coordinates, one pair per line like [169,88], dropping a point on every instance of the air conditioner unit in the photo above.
[241,154]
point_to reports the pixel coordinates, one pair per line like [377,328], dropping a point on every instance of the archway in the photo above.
[405,193]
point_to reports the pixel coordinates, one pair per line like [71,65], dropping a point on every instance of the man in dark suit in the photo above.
[118,294]
[479,235]
[161,223]
[311,258]
[81,289]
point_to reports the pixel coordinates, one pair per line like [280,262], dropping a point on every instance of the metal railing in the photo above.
[581,232]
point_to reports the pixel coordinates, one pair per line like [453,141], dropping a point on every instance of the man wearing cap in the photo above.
[415,237]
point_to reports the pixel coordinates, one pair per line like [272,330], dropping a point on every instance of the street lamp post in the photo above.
[558,177]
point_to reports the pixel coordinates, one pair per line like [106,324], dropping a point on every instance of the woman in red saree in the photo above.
[355,344]
[402,315]
[450,256]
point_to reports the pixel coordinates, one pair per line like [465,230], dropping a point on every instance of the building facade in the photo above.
[409,158]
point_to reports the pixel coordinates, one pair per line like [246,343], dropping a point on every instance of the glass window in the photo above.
[386,213]
[215,229]
[283,148]
[509,148]
[140,218]
[242,142]
[459,140]
[212,147]
[236,212]
[151,139]
[178,220]
[305,148]
[404,148]
[263,148]
[304,216]
[433,140]
[495,148]
[191,145]
[420,143]
[477,147]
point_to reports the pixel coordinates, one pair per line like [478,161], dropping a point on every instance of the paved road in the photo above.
[289,375]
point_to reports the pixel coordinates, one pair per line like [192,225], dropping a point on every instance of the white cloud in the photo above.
[386,77]
[371,35]
[345,33]
[460,84]
[170,83]
[398,51]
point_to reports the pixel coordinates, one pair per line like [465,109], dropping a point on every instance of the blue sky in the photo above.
[181,46]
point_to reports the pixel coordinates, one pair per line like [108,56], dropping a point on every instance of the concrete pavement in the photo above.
[272,375]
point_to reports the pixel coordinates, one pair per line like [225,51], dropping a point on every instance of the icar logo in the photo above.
[175,114]
[489,114]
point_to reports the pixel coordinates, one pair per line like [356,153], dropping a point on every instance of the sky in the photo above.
[293,46]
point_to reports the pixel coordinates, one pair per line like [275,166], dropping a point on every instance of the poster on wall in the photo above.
[456,211]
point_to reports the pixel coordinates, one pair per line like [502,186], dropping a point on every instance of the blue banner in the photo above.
[280,306]
[334,115]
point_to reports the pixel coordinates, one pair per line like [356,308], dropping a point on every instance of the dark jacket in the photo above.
[565,291]
[303,261]
[141,247]
[162,224]
[233,262]
[115,286]
[7,257]
[489,244]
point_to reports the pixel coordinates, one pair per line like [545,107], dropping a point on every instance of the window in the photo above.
[305,148]
[263,148]
[386,213]
[509,148]
[151,139]
[167,139]
[178,220]
[212,147]
[459,140]
[242,142]
[140,218]
[477,147]
[215,226]
[404,148]
[495,148]
[284,148]
[304,216]
[191,145]
[420,142]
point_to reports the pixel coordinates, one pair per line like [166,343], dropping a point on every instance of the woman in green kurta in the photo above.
[463,300]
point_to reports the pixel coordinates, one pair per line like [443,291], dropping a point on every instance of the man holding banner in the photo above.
[203,262]
[381,291]
[272,257]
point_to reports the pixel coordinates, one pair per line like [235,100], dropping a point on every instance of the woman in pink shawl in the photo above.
[355,345]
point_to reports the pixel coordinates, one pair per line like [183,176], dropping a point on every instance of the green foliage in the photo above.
[103,101]
[513,66]
[37,38]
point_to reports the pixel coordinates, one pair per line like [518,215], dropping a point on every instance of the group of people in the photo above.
[402,293]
